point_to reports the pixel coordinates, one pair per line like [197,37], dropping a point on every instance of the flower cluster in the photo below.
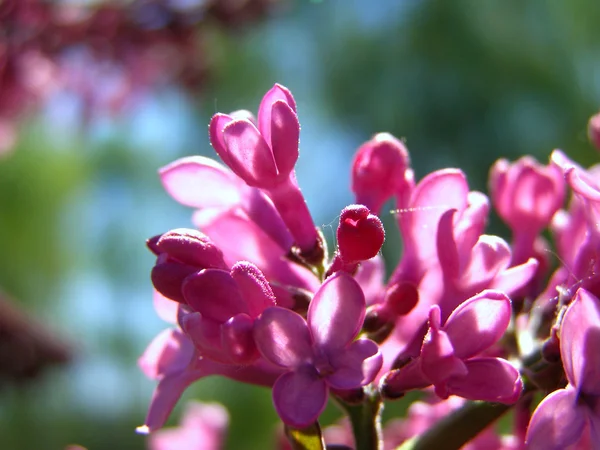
[254,296]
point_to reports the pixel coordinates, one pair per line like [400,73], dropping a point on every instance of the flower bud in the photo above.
[379,170]
[526,194]
[360,234]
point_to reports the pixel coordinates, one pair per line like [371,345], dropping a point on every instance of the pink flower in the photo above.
[565,416]
[203,427]
[264,156]
[319,353]
[381,169]
[450,358]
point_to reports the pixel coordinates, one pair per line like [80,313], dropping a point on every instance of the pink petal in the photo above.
[201,182]
[370,276]
[580,341]
[217,138]
[489,257]
[285,137]
[275,94]
[557,422]
[191,247]
[282,337]
[230,229]
[237,339]
[165,397]
[407,378]
[478,323]
[337,312]
[446,246]
[512,279]
[254,287]
[356,366]
[488,379]
[433,196]
[249,155]
[169,352]
[438,359]
[300,397]
[214,294]
[165,308]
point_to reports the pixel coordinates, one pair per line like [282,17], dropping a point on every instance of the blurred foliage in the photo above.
[464,82]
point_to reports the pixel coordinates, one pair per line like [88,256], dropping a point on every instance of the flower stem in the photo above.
[365,418]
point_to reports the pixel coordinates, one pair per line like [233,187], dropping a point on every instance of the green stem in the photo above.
[365,418]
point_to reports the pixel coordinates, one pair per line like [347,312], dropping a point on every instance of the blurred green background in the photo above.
[463,82]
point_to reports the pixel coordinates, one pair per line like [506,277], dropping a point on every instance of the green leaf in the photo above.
[308,438]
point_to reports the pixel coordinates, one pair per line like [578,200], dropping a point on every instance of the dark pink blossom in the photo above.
[564,417]
[450,355]
[319,353]
[360,236]
[381,169]
[264,156]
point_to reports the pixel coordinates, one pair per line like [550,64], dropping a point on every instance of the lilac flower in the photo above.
[319,353]
[264,156]
[203,427]
[381,168]
[450,355]
[526,195]
[564,417]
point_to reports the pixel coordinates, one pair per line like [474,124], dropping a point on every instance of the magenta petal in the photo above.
[512,279]
[214,294]
[285,137]
[580,341]
[438,361]
[488,379]
[337,312]
[282,337]
[169,352]
[356,366]
[237,339]
[446,245]
[217,138]
[557,422]
[300,397]
[489,257]
[200,182]
[435,194]
[191,247]
[405,379]
[276,93]
[254,287]
[165,397]
[478,323]
[165,308]
[249,155]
